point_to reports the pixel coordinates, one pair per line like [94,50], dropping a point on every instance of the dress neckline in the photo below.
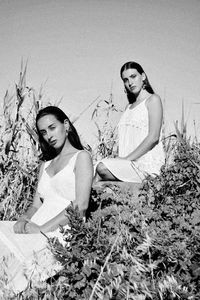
[143,101]
[62,168]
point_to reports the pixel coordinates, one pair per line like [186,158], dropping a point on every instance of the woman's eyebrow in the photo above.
[52,124]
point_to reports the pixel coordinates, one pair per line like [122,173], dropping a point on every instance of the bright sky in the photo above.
[79,46]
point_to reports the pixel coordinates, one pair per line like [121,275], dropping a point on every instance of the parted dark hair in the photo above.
[138,67]
[48,152]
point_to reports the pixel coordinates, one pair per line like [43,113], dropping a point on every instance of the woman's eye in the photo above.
[43,133]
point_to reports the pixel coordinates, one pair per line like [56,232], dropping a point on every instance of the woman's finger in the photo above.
[27,228]
[16,228]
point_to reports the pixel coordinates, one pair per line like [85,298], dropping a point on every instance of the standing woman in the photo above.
[140,149]
[65,178]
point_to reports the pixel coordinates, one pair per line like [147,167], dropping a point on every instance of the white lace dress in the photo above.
[27,256]
[132,129]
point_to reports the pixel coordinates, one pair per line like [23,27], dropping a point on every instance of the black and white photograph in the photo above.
[99,149]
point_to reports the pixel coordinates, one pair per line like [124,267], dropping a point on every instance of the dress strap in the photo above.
[140,104]
[72,160]
[47,163]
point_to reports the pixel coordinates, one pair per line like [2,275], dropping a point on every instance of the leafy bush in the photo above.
[145,249]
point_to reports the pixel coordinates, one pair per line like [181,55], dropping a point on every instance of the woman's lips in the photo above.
[52,143]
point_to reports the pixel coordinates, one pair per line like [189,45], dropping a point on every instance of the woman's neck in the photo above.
[143,94]
[66,149]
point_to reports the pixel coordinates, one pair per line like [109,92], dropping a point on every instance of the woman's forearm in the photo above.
[29,213]
[148,144]
[19,226]
[53,224]
[37,202]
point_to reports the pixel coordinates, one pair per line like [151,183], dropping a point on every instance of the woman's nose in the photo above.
[130,81]
[49,135]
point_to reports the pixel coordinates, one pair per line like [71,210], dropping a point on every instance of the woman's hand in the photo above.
[19,226]
[31,227]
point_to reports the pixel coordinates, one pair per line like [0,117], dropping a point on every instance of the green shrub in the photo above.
[148,249]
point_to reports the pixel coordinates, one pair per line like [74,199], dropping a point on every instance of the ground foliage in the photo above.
[144,249]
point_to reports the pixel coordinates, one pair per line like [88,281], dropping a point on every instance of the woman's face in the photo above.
[52,130]
[133,80]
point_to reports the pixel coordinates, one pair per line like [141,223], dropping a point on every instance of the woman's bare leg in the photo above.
[104,174]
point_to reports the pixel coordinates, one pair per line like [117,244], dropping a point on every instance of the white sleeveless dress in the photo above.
[27,256]
[132,130]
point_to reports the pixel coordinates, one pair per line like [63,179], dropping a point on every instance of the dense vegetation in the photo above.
[139,248]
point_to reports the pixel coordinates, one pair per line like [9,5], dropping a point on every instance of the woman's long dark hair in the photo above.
[48,152]
[146,86]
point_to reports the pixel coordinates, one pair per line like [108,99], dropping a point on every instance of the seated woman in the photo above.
[65,177]
[140,149]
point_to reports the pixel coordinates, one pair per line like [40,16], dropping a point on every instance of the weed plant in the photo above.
[18,148]
[103,117]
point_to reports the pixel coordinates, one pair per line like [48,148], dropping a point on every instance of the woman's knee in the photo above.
[101,169]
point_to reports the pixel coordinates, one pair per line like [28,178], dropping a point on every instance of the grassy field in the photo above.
[128,249]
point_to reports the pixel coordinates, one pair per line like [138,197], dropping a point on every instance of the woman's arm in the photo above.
[83,182]
[51,225]
[19,226]
[84,178]
[155,113]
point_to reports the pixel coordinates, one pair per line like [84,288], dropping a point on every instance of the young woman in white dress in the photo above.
[140,149]
[65,178]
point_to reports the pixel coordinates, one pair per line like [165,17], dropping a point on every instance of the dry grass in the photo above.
[18,147]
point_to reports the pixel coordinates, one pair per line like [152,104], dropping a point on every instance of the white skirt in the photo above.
[124,170]
[24,258]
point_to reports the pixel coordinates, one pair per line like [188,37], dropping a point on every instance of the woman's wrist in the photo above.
[42,229]
[46,228]
[30,227]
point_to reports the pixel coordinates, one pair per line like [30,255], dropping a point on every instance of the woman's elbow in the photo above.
[154,140]
[82,205]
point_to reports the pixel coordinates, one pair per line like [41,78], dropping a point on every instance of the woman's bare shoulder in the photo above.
[84,161]
[154,100]
[84,155]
